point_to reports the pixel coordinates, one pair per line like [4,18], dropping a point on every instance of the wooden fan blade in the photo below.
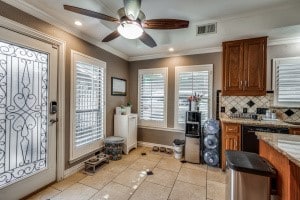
[165,24]
[148,40]
[111,36]
[90,13]
[132,8]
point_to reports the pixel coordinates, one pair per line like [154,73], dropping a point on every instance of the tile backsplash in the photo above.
[255,104]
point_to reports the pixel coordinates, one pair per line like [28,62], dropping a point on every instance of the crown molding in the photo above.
[284,41]
[179,53]
[274,42]
[26,7]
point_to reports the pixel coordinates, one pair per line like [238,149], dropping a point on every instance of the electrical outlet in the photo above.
[222,109]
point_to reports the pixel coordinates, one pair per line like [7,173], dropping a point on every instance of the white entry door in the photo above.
[28,83]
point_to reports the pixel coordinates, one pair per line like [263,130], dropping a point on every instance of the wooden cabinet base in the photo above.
[288,174]
[231,139]
[294,131]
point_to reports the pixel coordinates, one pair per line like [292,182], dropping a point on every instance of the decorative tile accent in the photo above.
[233,110]
[250,103]
[289,112]
[226,103]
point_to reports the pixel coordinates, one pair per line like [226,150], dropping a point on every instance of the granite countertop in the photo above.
[288,145]
[273,123]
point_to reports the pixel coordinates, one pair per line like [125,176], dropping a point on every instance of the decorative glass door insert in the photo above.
[23,112]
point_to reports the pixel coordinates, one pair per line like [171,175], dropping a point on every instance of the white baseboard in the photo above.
[148,144]
[73,170]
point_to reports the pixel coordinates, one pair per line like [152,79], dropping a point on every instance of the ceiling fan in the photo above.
[132,22]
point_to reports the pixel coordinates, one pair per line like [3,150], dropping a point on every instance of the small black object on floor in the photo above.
[143,154]
[149,173]
[183,161]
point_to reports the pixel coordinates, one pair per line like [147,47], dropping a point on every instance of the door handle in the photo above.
[52,121]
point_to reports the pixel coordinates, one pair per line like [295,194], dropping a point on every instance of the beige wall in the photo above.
[116,66]
[167,137]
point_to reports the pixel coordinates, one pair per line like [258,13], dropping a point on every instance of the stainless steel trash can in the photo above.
[250,176]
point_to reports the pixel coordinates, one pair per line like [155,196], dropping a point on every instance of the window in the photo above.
[286,82]
[188,81]
[88,104]
[152,97]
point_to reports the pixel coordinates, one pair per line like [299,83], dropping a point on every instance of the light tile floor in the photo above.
[127,179]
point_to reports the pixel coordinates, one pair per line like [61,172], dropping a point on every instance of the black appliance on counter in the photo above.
[193,137]
[249,139]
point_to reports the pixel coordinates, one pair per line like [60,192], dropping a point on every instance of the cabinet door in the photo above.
[231,134]
[232,68]
[132,130]
[232,142]
[255,66]
[294,131]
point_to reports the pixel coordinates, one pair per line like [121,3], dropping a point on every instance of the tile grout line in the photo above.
[113,180]
[175,181]
[64,189]
[137,187]
[144,179]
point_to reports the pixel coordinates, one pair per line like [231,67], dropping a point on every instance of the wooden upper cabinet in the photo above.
[233,66]
[244,67]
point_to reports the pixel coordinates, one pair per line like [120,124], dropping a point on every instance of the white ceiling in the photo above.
[278,19]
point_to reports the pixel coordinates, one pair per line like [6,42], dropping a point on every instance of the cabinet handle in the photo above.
[246,83]
[235,143]
[241,83]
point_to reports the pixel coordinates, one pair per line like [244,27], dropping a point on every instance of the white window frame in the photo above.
[276,62]
[77,153]
[152,123]
[192,68]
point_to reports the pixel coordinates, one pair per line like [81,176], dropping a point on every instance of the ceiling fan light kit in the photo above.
[130,29]
[132,22]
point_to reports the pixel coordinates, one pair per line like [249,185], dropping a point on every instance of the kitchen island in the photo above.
[235,137]
[283,152]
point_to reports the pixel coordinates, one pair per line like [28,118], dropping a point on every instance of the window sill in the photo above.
[162,129]
[86,156]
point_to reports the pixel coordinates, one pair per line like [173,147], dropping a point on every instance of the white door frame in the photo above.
[61,46]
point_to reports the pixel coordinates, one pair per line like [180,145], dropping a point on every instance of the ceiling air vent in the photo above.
[207,29]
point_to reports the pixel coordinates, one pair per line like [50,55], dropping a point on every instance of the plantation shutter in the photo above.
[189,84]
[89,103]
[152,97]
[288,82]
